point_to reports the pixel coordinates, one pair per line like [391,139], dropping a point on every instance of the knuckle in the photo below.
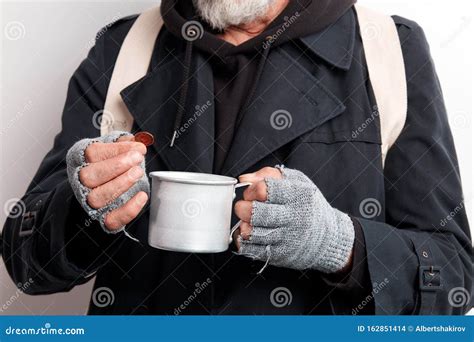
[245,230]
[247,195]
[238,207]
[139,202]
[131,155]
[111,223]
[267,170]
[141,148]
[261,189]
[137,157]
[132,158]
[242,209]
[91,152]
[133,175]
[122,162]
[94,200]
[86,177]
[128,214]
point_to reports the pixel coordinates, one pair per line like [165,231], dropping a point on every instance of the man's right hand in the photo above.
[112,169]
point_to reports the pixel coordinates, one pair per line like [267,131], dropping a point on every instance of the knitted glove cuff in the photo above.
[75,160]
[340,242]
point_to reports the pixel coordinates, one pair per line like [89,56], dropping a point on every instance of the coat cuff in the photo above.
[77,241]
[393,267]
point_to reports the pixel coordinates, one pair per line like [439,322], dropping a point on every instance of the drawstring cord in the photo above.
[268,251]
[183,91]
[184,88]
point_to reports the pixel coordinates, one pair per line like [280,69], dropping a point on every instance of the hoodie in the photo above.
[237,69]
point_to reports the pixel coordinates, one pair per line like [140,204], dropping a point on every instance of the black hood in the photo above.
[300,18]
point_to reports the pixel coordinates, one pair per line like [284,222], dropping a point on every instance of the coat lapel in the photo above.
[153,102]
[289,101]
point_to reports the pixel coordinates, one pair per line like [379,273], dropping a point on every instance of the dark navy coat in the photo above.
[417,243]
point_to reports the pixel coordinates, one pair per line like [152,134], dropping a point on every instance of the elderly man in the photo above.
[308,234]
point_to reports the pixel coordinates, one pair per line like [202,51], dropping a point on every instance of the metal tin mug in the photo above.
[191,212]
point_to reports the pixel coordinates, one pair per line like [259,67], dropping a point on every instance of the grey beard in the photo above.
[221,14]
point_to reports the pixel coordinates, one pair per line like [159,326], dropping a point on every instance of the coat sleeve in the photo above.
[49,241]
[420,258]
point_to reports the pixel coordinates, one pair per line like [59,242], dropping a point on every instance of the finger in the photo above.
[245,230]
[243,210]
[99,151]
[105,194]
[99,173]
[269,215]
[126,138]
[118,218]
[260,175]
[256,192]
[236,238]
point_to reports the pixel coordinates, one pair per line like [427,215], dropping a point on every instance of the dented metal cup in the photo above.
[191,212]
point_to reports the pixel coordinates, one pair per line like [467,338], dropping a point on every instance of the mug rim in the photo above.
[185,177]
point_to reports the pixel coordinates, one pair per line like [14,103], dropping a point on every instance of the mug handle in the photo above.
[237,225]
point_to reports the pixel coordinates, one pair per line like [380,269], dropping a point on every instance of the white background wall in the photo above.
[54,36]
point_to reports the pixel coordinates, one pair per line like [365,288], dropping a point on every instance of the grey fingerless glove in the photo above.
[297,228]
[75,160]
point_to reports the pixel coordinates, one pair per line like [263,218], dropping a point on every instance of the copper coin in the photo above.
[145,138]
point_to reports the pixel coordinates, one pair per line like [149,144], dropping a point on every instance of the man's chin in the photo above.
[222,14]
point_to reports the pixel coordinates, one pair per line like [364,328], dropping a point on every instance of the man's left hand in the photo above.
[287,221]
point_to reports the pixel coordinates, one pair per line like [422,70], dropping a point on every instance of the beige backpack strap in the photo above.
[132,64]
[386,68]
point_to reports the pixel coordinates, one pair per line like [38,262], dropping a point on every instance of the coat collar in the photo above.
[286,91]
[335,44]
